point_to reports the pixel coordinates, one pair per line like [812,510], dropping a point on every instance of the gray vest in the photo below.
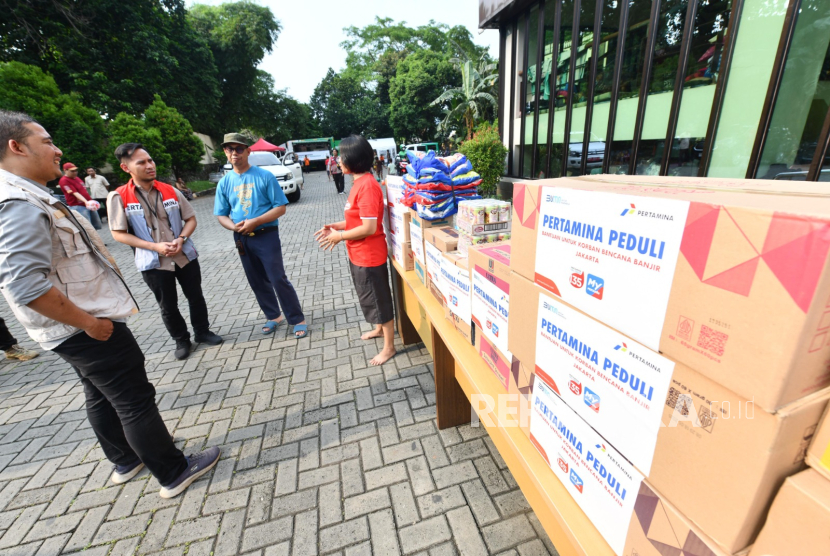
[82,268]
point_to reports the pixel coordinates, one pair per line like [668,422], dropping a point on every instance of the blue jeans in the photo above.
[261,258]
[91,215]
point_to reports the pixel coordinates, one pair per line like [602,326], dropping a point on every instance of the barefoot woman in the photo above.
[362,230]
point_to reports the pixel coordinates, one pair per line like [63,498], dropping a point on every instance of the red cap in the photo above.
[68,166]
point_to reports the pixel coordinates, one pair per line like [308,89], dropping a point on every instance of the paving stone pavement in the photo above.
[321,453]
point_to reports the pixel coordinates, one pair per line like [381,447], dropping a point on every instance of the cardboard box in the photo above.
[799,520]
[500,363]
[399,219]
[740,286]
[394,190]
[425,224]
[466,329]
[456,258]
[416,237]
[455,285]
[437,294]
[434,258]
[401,252]
[818,455]
[717,456]
[658,528]
[445,239]
[490,275]
[420,270]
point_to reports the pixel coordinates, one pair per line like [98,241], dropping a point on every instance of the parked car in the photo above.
[288,175]
[596,152]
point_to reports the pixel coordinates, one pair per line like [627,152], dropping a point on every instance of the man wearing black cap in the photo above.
[249,202]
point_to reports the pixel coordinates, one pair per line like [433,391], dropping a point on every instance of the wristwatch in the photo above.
[185,238]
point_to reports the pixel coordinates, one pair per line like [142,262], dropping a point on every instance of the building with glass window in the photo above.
[720,88]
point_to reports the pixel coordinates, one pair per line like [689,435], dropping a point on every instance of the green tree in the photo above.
[115,54]
[77,130]
[472,100]
[342,104]
[240,34]
[419,79]
[126,128]
[486,153]
[178,141]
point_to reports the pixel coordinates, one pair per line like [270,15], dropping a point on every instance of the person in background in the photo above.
[249,202]
[328,170]
[378,167]
[362,230]
[77,197]
[306,165]
[181,186]
[98,190]
[81,315]
[337,172]
[9,345]
[157,222]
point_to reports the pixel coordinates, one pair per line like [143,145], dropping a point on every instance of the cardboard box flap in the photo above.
[799,519]
[794,201]
[718,184]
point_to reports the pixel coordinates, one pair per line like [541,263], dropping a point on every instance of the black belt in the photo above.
[262,231]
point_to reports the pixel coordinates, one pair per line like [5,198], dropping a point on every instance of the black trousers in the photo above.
[121,404]
[163,285]
[339,182]
[6,338]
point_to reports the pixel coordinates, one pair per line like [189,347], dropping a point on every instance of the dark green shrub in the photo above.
[486,153]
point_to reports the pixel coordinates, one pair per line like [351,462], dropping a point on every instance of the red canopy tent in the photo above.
[263,145]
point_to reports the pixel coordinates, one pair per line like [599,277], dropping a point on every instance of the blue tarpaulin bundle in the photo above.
[434,185]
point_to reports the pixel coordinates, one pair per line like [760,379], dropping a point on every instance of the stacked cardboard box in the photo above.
[687,328]
[799,519]
[396,224]
[417,228]
[490,280]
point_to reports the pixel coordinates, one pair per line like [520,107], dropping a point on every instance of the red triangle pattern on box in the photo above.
[795,249]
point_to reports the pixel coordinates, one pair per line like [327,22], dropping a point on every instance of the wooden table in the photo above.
[459,374]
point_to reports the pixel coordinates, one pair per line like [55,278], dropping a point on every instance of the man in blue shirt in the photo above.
[249,202]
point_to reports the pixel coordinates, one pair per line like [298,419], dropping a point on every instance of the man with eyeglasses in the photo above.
[156,220]
[249,202]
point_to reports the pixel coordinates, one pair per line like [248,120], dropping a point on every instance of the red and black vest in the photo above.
[144,258]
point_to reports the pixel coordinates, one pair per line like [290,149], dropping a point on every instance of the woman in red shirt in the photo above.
[362,230]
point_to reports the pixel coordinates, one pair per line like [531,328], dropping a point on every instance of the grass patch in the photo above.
[200,185]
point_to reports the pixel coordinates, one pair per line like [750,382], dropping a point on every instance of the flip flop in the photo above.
[270,326]
[300,328]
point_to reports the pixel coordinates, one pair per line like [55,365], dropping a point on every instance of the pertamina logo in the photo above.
[576,480]
[595,286]
[577,278]
[621,347]
[600,447]
[629,211]
[575,386]
[563,465]
[592,399]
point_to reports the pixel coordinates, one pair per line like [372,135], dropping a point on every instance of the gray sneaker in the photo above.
[197,465]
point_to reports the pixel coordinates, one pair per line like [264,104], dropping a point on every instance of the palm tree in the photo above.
[473,97]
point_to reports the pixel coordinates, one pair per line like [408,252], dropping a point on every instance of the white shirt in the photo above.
[97,186]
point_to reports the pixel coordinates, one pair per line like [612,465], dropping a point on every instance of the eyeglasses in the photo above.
[237,150]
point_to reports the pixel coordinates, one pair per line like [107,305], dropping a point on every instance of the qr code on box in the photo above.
[712,340]
[679,401]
